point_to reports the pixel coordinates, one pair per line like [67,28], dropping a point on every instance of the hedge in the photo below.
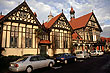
[5,60]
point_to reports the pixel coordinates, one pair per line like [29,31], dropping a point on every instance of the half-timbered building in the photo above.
[60,34]
[21,32]
[88,28]
[18,34]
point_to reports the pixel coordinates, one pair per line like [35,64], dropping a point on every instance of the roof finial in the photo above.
[62,10]
[35,14]
[1,13]
[43,21]
[92,10]
[71,7]
[50,13]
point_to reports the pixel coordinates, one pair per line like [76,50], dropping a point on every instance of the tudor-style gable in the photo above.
[62,23]
[93,23]
[83,21]
[19,28]
[87,26]
[22,14]
[60,31]
[59,22]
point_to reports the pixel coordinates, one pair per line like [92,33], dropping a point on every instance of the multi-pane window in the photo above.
[28,38]
[44,37]
[14,37]
[97,35]
[91,36]
[57,40]
[65,40]
[60,39]
[87,36]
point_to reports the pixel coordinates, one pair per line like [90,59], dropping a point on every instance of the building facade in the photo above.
[60,34]
[106,44]
[88,30]
[21,32]
[18,31]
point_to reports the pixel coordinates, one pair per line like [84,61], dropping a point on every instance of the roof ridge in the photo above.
[84,15]
[81,21]
[51,22]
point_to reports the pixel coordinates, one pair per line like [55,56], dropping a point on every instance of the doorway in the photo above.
[43,50]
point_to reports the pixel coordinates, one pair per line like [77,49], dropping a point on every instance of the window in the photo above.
[57,40]
[28,38]
[61,39]
[66,40]
[14,37]
[91,36]
[41,58]
[44,36]
[22,59]
[87,36]
[34,58]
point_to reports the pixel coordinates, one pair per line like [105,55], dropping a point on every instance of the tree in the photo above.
[40,32]
[1,49]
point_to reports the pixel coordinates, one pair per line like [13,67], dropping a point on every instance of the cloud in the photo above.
[43,7]
[104,26]
[6,6]
[101,8]
[106,31]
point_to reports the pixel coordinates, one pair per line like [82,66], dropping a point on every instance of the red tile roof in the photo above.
[52,21]
[75,35]
[103,39]
[45,41]
[108,39]
[80,22]
[1,16]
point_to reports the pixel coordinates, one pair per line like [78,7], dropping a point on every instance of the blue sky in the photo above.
[101,8]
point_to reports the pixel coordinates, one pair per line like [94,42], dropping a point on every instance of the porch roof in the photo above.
[45,42]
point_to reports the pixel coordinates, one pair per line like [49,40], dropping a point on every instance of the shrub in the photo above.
[5,60]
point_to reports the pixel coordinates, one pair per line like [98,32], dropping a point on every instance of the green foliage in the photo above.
[1,49]
[40,32]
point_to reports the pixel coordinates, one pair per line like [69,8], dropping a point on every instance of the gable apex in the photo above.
[81,21]
[93,17]
[54,19]
[19,9]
